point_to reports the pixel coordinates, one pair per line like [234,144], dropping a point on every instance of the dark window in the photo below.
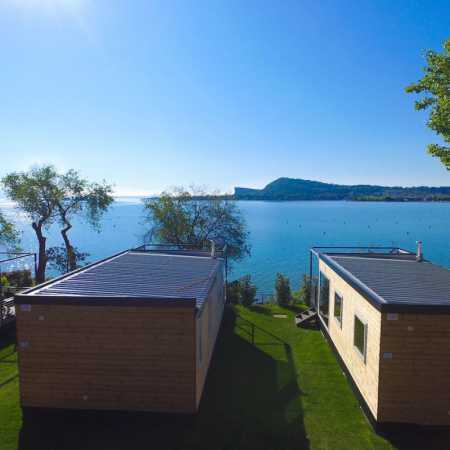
[324,297]
[338,305]
[360,336]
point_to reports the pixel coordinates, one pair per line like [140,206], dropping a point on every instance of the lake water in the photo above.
[282,232]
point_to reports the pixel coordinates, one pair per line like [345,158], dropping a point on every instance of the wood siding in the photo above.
[208,325]
[365,374]
[415,369]
[107,357]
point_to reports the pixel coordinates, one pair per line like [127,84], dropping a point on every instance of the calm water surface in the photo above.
[282,232]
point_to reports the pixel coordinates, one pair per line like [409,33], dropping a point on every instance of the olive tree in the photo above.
[48,197]
[195,217]
[36,194]
[9,236]
[79,198]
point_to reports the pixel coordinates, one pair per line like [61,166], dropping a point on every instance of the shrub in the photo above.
[283,290]
[241,291]
[304,293]
[247,291]
[233,291]
[20,278]
[4,281]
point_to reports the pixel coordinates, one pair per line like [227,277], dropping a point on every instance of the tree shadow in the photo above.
[251,401]
[260,309]
[298,308]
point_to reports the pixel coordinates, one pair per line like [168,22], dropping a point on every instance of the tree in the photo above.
[436,85]
[283,290]
[9,236]
[79,197]
[195,217]
[233,292]
[241,291]
[36,193]
[46,197]
[58,261]
[247,291]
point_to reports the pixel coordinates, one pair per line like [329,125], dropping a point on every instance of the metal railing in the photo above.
[188,249]
[7,311]
[7,306]
[13,256]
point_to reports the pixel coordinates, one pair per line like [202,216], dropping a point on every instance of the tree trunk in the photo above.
[70,253]
[42,254]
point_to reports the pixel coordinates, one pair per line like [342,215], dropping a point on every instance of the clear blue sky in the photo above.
[154,93]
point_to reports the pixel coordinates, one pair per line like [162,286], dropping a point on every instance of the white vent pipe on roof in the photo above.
[419,252]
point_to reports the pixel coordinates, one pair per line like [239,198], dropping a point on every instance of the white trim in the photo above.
[340,320]
[366,326]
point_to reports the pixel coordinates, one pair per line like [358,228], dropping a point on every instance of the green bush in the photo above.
[241,291]
[247,291]
[283,290]
[4,281]
[233,292]
[304,293]
[19,278]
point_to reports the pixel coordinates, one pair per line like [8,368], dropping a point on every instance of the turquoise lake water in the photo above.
[282,232]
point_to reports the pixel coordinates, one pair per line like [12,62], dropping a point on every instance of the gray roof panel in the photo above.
[400,281]
[140,275]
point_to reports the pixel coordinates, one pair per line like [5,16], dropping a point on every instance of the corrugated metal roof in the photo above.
[399,281]
[140,275]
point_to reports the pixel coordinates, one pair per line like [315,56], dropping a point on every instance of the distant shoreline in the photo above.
[260,199]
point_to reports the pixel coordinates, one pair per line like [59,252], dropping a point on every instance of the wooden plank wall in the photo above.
[208,325]
[415,369]
[104,357]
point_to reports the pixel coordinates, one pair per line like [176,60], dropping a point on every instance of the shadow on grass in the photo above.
[298,308]
[260,309]
[251,401]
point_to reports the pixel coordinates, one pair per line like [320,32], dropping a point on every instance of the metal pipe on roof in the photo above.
[419,253]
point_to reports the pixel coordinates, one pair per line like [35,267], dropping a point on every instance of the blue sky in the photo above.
[150,94]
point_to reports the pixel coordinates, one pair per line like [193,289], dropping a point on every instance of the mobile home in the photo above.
[386,312]
[135,331]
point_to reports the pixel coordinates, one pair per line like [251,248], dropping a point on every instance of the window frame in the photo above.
[363,354]
[338,319]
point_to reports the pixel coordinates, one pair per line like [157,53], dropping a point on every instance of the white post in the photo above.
[419,254]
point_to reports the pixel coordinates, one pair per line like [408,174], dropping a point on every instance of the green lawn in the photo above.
[277,388]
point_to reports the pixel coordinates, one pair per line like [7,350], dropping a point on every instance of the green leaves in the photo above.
[9,236]
[436,84]
[195,217]
[47,196]
[283,290]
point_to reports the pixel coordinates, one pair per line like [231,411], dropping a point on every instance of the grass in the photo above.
[276,387]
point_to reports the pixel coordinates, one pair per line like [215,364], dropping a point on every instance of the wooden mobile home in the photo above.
[135,331]
[387,315]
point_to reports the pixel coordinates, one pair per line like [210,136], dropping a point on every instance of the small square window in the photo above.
[360,337]
[338,307]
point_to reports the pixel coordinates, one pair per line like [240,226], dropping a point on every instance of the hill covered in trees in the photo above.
[298,189]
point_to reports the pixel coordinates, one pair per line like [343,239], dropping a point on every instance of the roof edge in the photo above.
[68,274]
[23,299]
